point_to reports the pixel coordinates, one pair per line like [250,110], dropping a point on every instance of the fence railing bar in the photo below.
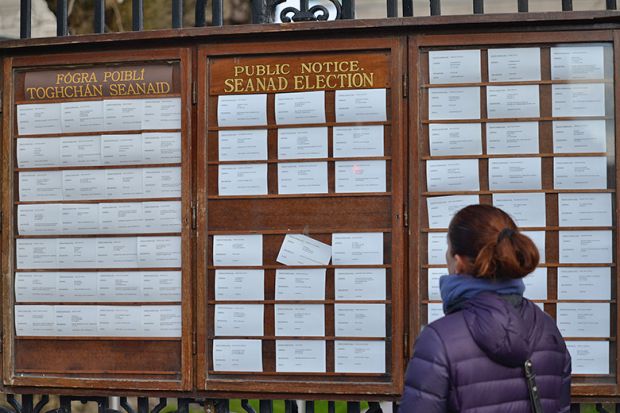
[309,407]
[523,6]
[435,7]
[265,406]
[348,9]
[331,407]
[217,13]
[177,14]
[611,5]
[478,6]
[407,8]
[199,16]
[25,14]
[567,5]
[61,18]
[99,23]
[392,8]
[137,15]
[353,407]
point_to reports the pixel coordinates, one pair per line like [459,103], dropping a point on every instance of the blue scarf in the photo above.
[456,289]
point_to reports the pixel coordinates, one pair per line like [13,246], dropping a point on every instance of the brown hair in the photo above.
[490,241]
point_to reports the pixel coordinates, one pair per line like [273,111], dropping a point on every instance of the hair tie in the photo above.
[505,233]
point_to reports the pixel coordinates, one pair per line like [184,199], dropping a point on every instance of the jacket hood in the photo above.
[499,328]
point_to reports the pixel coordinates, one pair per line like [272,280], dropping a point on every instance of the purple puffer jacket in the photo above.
[472,360]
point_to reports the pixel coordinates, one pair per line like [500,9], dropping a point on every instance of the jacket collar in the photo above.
[457,289]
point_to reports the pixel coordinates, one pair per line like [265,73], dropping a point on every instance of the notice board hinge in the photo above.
[194,343]
[194,93]
[194,216]
[405,85]
[406,218]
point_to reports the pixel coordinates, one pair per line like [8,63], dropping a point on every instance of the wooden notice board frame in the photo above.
[113,363]
[265,214]
[419,46]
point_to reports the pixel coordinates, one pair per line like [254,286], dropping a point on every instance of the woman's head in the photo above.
[484,241]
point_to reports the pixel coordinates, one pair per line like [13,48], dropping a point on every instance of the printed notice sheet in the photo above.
[433,282]
[242,179]
[581,99]
[35,320]
[588,172]
[575,283]
[454,66]
[80,218]
[159,252]
[578,136]
[583,319]
[36,253]
[512,138]
[300,320]
[452,175]
[123,114]
[437,247]
[526,209]
[237,355]
[296,143]
[300,284]
[40,186]
[585,210]
[513,101]
[364,105]
[451,139]
[238,250]
[441,209]
[39,119]
[239,284]
[84,116]
[302,178]
[582,247]
[162,113]
[299,249]
[121,149]
[80,150]
[242,110]
[33,287]
[589,357]
[454,103]
[536,285]
[293,356]
[514,64]
[161,147]
[38,219]
[358,141]
[357,248]
[360,176]
[83,184]
[434,312]
[539,239]
[360,284]
[359,356]
[515,173]
[577,63]
[300,107]
[359,320]
[38,152]
[239,319]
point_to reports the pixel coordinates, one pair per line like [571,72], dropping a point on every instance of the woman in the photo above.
[472,360]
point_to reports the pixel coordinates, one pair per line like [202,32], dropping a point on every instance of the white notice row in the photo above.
[99,116]
[100,184]
[98,320]
[75,287]
[351,356]
[587,172]
[144,148]
[363,105]
[113,252]
[301,320]
[103,218]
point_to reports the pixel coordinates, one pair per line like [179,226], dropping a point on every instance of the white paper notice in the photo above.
[161,285]
[307,284]
[575,283]
[242,179]
[237,355]
[536,285]
[360,283]
[239,319]
[582,247]
[156,252]
[84,184]
[582,99]
[433,282]
[454,103]
[302,178]
[437,248]
[238,250]
[577,63]
[121,149]
[360,176]
[526,209]
[451,139]
[85,116]
[513,101]
[162,321]
[588,172]
[300,320]
[162,114]
[117,252]
[121,217]
[162,216]
[452,175]
[585,210]
[515,173]
[39,119]
[38,152]
[242,110]
[161,147]
[161,182]
[512,138]
[80,151]
[35,320]
[300,107]
[302,143]
[121,286]
[514,64]
[299,249]
[78,287]
[589,357]
[119,321]
[242,145]
[42,219]
[123,114]
[80,219]
[240,284]
[364,105]
[31,287]
[539,239]
[293,356]
[454,66]
[441,209]
[359,320]
[359,356]
[583,319]
[124,183]
[358,141]
[76,320]
[77,252]
[357,248]
[434,312]
[36,253]
[578,136]
[40,186]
